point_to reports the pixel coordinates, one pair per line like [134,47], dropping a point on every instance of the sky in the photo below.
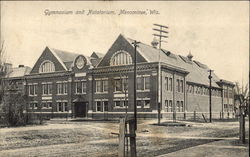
[216,33]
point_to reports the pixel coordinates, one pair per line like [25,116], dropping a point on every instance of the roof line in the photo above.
[136,49]
[58,58]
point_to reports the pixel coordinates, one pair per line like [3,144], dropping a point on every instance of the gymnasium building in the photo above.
[102,86]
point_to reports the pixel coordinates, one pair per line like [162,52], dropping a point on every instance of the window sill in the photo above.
[32,95]
[117,107]
[62,94]
[143,90]
[101,92]
[46,94]
[146,107]
[80,93]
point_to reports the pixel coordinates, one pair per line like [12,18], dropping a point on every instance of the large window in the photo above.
[46,104]
[62,88]
[168,105]
[98,106]
[166,83]
[178,85]
[47,66]
[80,87]
[121,58]
[62,107]
[170,84]
[120,103]
[181,86]
[33,105]
[143,83]
[32,89]
[143,103]
[121,84]
[101,86]
[47,88]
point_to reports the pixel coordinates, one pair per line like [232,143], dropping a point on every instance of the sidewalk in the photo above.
[223,148]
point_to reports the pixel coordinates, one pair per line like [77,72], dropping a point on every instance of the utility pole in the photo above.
[135,104]
[133,130]
[210,95]
[160,35]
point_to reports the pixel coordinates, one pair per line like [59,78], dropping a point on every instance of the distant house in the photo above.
[101,86]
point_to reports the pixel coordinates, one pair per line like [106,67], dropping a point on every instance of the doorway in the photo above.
[80,109]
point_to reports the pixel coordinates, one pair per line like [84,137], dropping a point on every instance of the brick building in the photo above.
[101,86]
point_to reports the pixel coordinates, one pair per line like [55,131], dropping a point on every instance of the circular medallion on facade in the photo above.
[80,62]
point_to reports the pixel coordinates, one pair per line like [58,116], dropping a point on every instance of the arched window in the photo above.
[121,58]
[47,66]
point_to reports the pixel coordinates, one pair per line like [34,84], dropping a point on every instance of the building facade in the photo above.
[102,86]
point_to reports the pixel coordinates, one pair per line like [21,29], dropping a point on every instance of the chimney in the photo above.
[154,43]
[20,66]
[190,56]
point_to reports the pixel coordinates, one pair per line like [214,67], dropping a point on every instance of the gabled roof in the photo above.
[97,55]
[18,72]
[67,58]
[198,72]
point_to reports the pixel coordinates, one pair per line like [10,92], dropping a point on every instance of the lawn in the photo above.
[94,138]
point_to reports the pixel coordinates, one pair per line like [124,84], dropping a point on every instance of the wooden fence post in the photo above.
[121,149]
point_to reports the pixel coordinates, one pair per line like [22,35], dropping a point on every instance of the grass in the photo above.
[87,138]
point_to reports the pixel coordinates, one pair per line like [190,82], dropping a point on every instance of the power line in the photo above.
[161,33]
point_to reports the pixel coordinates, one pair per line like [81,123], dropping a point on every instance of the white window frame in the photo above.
[63,105]
[147,99]
[144,83]
[47,83]
[82,82]
[100,106]
[35,88]
[121,58]
[102,80]
[49,67]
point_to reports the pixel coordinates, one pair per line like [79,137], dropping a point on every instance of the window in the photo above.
[166,83]
[178,85]
[46,104]
[105,85]
[62,88]
[32,89]
[170,106]
[101,86]
[98,106]
[181,86]
[33,105]
[47,88]
[181,107]
[147,82]
[118,103]
[139,103]
[47,66]
[178,106]
[98,86]
[105,106]
[170,84]
[121,58]
[143,83]
[80,87]
[118,85]
[166,104]
[140,83]
[62,107]
[147,104]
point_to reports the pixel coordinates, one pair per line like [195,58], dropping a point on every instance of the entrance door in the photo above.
[80,109]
